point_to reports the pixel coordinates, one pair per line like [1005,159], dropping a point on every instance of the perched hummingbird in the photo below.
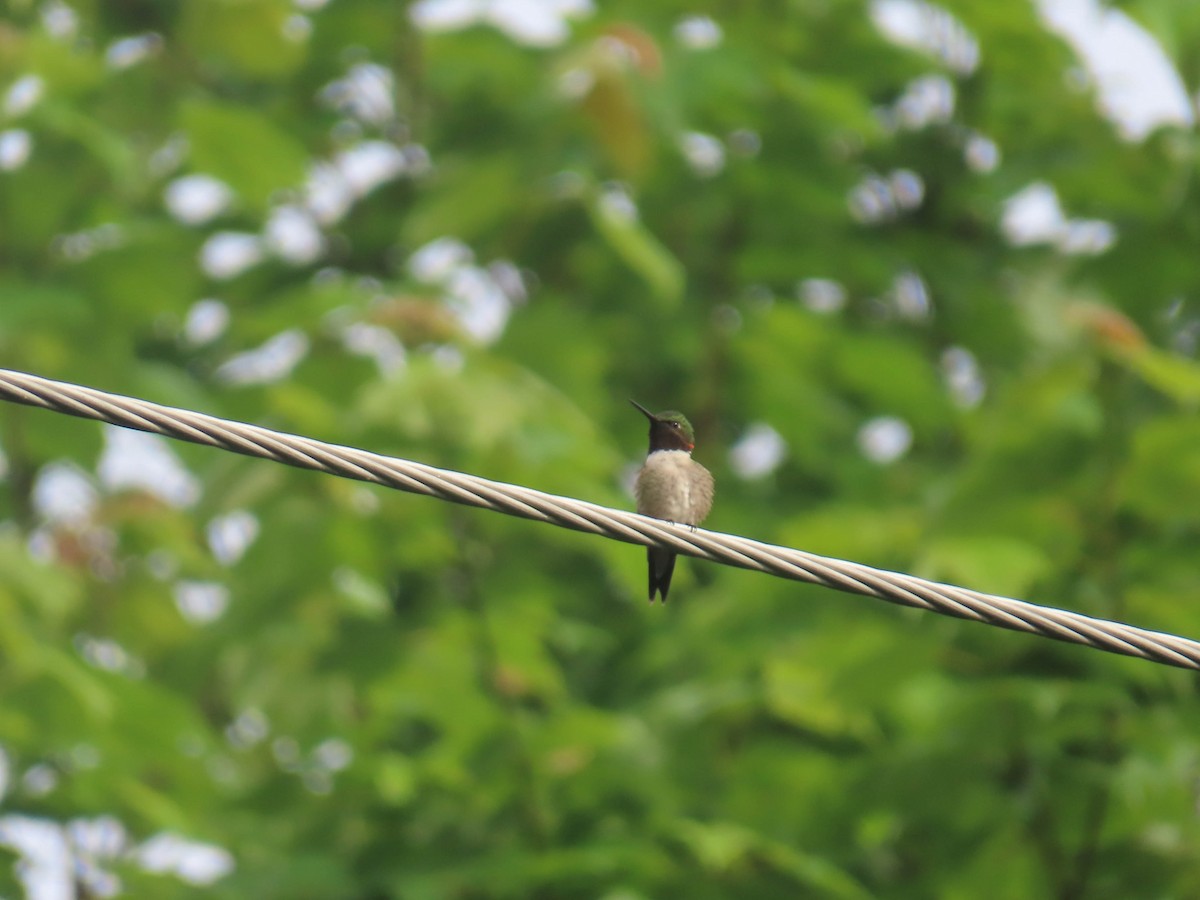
[672,486]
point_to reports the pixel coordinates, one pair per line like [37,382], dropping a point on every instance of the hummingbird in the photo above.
[671,486]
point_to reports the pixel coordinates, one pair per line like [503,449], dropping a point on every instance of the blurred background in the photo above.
[924,276]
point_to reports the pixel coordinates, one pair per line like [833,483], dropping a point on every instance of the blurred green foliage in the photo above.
[412,700]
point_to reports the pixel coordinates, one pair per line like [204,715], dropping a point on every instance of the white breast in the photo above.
[673,486]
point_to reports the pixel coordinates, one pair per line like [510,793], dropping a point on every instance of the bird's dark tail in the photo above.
[661,564]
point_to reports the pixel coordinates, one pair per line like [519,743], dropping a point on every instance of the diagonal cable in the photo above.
[457,487]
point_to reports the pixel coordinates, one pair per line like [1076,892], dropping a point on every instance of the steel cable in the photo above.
[470,490]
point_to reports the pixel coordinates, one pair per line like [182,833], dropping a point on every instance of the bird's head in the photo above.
[669,430]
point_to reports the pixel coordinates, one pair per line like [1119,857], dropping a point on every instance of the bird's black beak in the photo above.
[645,412]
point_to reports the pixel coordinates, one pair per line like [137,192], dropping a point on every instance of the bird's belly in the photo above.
[665,501]
[665,491]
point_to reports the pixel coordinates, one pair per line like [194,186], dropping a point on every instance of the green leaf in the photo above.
[995,563]
[246,37]
[1162,478]
[640,250]
[242,148]
[1175,376]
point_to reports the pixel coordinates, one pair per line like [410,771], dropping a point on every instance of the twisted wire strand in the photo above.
[470,490]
